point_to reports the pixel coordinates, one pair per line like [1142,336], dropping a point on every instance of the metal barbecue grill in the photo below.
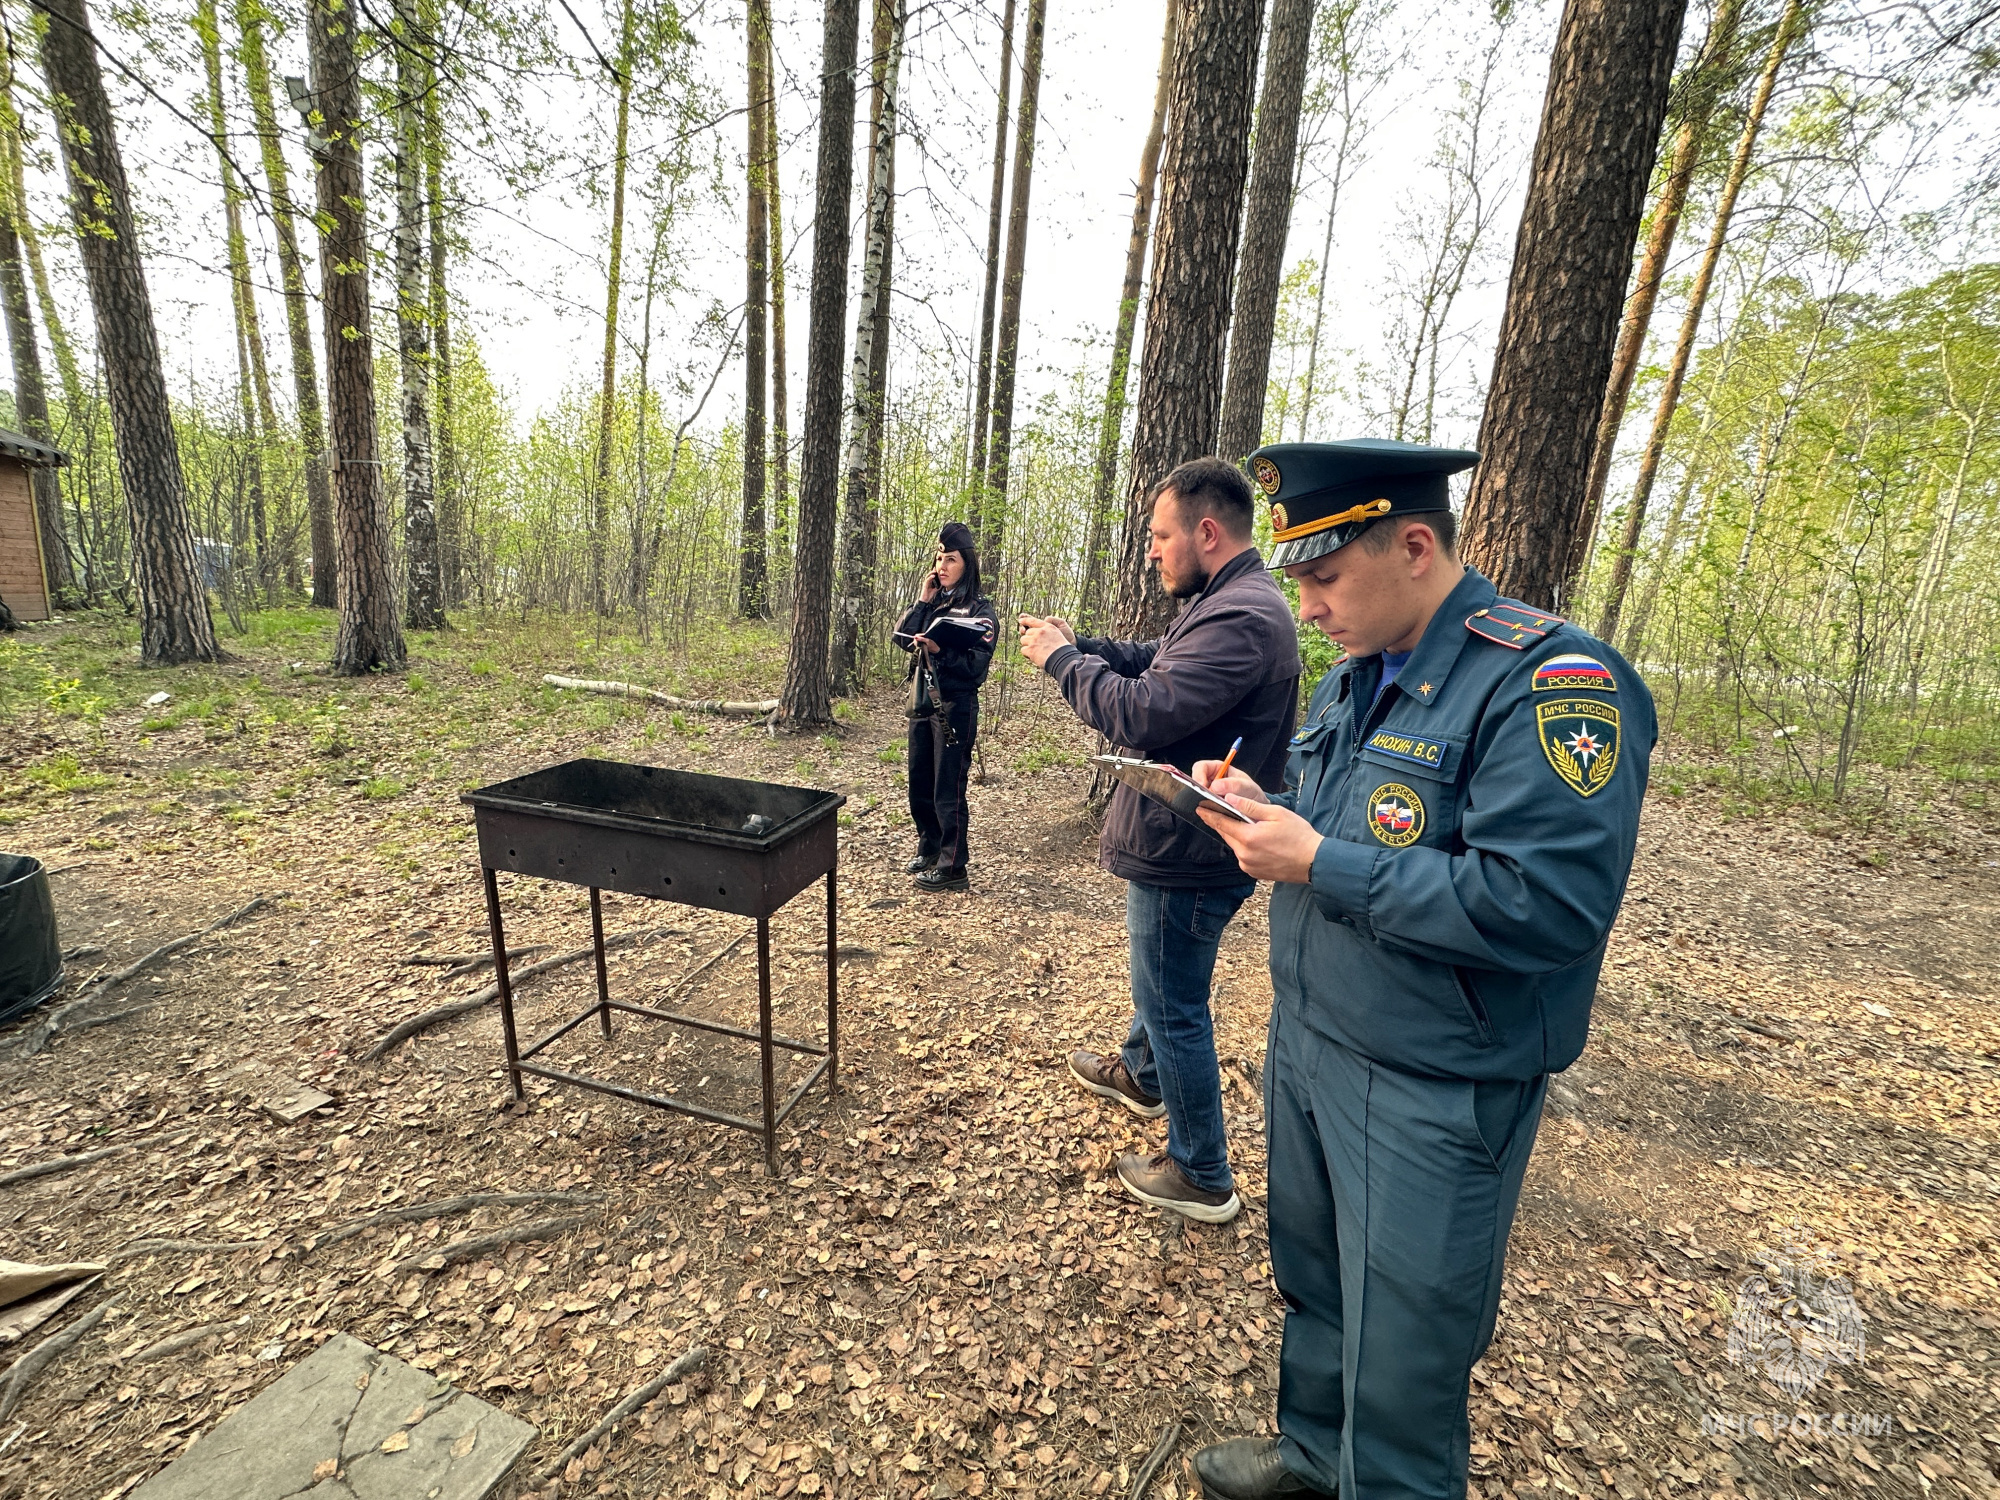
[707,841]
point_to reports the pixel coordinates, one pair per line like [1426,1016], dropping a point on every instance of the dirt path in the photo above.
[941,1296]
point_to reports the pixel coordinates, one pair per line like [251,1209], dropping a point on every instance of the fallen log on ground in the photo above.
[439,1256]
[438,1208]
[44,1354]
[680,1369]
[402,1031]
[749,709]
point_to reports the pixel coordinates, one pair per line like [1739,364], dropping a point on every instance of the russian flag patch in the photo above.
[1572,673]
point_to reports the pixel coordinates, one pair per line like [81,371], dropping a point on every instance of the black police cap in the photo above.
[1324,495]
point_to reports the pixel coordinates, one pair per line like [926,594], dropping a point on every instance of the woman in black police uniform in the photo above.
[949,632]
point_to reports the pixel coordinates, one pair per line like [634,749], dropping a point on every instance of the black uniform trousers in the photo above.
[1391,1197]
[938,774]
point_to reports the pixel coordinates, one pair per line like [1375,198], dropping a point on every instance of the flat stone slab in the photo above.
[349,1423]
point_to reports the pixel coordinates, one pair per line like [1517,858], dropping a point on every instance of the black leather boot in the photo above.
[1246,1469]
[920,864]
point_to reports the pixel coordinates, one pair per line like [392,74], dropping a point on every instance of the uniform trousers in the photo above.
[938,775]
[1391,1198]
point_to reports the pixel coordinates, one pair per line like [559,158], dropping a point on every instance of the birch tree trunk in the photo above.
[369,637]
[1703,92]
[174,623]
[807,698]
[451,519]
[1266,226]
[1007,349]
[250,16]
[241,299]
[1111,423]
[751,565]
[1600,131]
[1789,26]
[607,401]
[982,372]
[423,580]
[868,378]
[1204,162]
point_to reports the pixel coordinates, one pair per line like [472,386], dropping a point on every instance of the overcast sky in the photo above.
[532,285]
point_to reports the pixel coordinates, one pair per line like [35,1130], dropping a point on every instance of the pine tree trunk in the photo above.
[298,313]
[1204,162]
[1789,27]
[451,519]
[982,372]
[1600,131]
[1699,97]
[1111,423]
[75,398]
[369,637]
[752,570]
[807,697]
[241,298]
[1267,222]
[174,624]
[780,459]
[607,401]
[423,581]
[1007,348]
[869,376]
[31,396]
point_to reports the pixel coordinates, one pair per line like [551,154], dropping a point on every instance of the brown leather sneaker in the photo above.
[1108,1077]
[1159,1182]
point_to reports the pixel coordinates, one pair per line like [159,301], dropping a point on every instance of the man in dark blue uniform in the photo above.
[1461,810]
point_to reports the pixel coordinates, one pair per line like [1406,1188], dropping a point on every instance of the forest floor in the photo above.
[943,1293]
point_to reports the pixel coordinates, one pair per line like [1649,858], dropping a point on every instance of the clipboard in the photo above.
[1169,786]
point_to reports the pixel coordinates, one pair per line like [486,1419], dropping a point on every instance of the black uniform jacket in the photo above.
[965,631]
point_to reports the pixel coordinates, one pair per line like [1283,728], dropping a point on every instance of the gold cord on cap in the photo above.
[1367,511]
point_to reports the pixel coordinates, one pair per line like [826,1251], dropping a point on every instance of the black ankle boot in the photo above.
[920,864]
[1246,1469]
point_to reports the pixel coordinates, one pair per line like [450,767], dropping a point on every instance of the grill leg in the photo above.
[832,988]
[764,1044]
[506,986]
[603,983]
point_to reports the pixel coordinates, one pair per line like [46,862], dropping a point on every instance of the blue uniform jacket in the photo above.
[1480,820]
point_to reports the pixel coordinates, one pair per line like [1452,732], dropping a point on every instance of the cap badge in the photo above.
[1279,521]
[1267,476]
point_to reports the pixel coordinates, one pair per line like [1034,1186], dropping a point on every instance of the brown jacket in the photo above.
[1227,666]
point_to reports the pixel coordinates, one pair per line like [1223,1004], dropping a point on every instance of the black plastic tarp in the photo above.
[30,955]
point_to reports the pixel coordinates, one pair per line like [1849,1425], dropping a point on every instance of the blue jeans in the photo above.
[1171,1051]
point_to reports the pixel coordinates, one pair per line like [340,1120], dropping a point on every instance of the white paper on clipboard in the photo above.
[1168,785]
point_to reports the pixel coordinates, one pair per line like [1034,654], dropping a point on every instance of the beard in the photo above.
[1185,585]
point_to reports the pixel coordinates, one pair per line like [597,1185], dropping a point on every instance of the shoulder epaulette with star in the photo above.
[1508,622]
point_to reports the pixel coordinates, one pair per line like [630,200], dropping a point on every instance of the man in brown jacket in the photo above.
[1228,666]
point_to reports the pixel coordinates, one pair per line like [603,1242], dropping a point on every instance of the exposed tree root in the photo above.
[38,1036]
[138,1248]
[439,1208]
[1162,1451]
[451,1255]
[44,1354]
[59,1164]
[402,1031]
[186,1339]
[680,1369]
[754,708]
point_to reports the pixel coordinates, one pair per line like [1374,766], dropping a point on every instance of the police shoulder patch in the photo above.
[1573,672]
[1508,622]
[1580,738]
[1395,814]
